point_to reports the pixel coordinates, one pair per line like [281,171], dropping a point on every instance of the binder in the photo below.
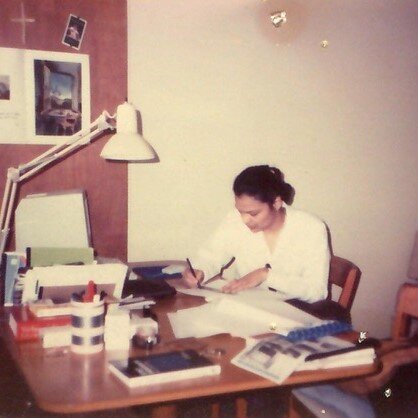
[12,262]
[328,328]
[49,256]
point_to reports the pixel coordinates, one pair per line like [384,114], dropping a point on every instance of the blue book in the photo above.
[154,272]
[11,264]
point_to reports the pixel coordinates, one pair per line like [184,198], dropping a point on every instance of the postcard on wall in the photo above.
[44,96]
[74,32]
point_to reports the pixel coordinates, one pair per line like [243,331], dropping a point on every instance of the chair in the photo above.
[311,402]
[406,309]
[346,275]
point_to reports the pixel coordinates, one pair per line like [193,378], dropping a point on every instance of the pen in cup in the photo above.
[193,272]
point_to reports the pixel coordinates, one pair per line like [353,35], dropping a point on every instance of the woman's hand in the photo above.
[190,280]
[248,281]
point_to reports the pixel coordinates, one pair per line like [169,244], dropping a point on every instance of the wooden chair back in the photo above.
[346,275]
[406,309]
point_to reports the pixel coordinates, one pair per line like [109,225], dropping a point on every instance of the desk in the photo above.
[63,382]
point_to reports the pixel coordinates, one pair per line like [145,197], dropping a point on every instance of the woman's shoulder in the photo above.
[303,218]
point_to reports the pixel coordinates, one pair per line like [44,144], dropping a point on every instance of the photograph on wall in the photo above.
[52,100]
[74,32]
[12,101]
[4,87]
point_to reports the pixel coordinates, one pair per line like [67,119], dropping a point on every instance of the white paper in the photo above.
[230,315]
[12,110]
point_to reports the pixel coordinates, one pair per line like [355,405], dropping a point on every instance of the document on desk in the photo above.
[214,291]
[64,275]
[239,318]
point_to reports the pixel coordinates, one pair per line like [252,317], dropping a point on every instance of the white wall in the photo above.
[219,89]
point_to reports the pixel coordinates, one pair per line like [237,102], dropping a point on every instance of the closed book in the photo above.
[47,308]
[26,326]
[163,367]
[12,262]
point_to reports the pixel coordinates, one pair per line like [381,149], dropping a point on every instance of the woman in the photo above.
[275,246]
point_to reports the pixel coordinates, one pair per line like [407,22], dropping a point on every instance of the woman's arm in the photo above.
[311,284]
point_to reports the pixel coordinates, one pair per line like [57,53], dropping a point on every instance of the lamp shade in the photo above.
[127,144]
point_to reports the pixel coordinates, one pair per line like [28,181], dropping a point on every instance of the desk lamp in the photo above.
[126,145]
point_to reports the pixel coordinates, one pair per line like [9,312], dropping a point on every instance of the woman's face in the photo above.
[257,215]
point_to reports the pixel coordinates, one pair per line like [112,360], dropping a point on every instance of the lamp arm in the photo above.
[58,153]
[25,171]
[6,212]
[78,138]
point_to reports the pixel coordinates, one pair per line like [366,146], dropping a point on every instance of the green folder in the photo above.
[46,256]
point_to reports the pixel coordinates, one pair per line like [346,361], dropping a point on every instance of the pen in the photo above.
[90,292]
[193,272]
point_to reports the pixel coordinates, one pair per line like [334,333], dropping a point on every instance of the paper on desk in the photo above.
[214,290]
[73,275]
[211,291]
[230,315]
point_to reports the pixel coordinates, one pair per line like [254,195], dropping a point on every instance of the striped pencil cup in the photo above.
[87,327]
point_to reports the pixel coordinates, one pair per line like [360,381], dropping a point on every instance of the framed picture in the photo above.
[49,96]
[74,31]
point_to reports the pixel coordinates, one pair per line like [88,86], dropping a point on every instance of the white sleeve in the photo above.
[312,283]
[216,251]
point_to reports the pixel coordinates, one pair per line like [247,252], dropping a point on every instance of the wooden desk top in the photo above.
[64,382]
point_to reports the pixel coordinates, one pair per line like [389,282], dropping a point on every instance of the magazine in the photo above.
[276,358]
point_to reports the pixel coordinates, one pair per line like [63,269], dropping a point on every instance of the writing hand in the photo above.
[248,281]
[191,280]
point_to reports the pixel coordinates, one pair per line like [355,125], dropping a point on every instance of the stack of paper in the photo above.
[118,334]
[229,315]
[56,336]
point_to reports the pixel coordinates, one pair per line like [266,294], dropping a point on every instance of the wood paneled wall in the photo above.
[105,41]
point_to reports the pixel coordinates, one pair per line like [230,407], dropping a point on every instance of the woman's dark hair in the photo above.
[264,183]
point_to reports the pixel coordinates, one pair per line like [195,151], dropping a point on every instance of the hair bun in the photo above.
[287,193]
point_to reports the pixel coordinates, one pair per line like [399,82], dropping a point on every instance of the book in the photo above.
[49,256]
[164,367]
[156,272]
[276,358]
[343,358]
[26,327]
[12,263]
[46,307]
[148,288]
[56,336]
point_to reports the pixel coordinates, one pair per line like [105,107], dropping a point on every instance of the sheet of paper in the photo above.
[231,315]
[214,291]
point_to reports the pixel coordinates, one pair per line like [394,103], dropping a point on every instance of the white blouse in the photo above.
[299,262]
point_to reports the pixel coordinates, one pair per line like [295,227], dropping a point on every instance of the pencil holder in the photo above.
[87,326]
